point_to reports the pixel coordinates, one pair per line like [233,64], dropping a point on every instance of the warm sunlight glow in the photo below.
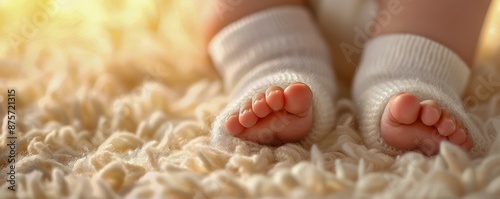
[490,41]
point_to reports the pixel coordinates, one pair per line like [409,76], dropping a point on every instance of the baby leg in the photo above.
[276,67]
[414,71]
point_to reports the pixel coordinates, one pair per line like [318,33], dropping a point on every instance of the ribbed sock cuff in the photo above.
[408,63]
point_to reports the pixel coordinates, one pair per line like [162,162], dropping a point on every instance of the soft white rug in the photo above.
[114,99]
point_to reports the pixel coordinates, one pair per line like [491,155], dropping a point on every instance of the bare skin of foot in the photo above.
[408,124]
[275,117]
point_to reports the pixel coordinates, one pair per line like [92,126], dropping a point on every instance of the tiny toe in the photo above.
[446,124]
[404,108]
[458,137]
[298,99]
[259,105]
[274,98]
[247,118]
[430,112]
[468,144]
[233,125]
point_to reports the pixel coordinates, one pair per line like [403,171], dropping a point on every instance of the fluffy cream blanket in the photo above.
[114,99]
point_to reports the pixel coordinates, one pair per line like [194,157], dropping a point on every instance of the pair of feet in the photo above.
[285,115]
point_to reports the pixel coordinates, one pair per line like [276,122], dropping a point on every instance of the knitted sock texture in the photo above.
[398,63]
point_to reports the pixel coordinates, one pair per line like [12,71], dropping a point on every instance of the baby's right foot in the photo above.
[274,117]
[290,50]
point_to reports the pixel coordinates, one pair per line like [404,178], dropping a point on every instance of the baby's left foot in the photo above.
[408,88]
[408,124]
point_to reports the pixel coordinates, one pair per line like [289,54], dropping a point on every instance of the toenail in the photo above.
[464,134]
[436,111]
[452,122]
[228,118]
[269,92]
[257,101]
[258,98]
[243,111]
[462,131]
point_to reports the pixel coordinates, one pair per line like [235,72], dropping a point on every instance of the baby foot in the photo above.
[408,124]
[276,117]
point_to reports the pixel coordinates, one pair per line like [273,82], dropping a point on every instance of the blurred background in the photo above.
[138,39]
[127,35]
[489,49]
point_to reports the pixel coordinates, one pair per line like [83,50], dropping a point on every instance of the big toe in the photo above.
[298,99]
[403,108]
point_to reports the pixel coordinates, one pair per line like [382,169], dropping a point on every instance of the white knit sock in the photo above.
[277,46]
[414,64]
